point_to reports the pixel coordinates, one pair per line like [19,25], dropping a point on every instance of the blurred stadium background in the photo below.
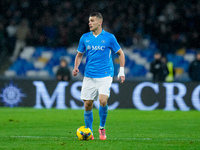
[53,29]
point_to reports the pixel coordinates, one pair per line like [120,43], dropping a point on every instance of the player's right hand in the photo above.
[75,71]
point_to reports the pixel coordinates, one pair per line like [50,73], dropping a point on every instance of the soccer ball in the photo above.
[83,133]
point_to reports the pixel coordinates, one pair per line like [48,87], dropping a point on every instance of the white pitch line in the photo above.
[37,137]
[141,139]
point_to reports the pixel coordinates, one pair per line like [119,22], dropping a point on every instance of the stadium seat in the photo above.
[137,51]
[43,73]
[185,66]
[38,52]
[130,64]
[191,51]
[179,71]
[47,54]
[141,61]
[72,50]
[55,69]
[39,64]
[10,73]
[189,57]
[138,70]
[27,53]
[149,75]
[31,73]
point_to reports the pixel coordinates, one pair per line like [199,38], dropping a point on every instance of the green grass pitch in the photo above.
[46,129]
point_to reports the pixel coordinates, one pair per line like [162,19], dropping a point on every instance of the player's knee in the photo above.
[103,102]
[88,105]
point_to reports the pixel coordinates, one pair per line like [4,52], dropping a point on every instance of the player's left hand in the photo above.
[122,79]
[121,74]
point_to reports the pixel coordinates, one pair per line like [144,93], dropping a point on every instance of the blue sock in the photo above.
[103,111]
[88,117]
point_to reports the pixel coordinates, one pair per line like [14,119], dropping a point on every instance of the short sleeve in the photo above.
[81,46]
[114,44]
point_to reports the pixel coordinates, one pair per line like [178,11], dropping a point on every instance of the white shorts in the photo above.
[93,86]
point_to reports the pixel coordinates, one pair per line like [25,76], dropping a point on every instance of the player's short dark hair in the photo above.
[97,14]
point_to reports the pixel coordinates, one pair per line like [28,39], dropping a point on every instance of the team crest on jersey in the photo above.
[88,47]
[11,95]
[103,41]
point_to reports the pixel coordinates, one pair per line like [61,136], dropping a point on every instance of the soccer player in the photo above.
[98,76]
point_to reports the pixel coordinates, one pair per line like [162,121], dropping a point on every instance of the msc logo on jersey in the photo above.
[11,95]
[96,48]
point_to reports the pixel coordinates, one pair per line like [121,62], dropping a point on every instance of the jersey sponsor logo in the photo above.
[87,41]
[102,48]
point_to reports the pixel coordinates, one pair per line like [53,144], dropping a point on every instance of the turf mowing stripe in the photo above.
[75,137]
[37,137]
[142,139]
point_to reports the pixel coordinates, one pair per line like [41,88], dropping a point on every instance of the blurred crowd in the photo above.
[172,24]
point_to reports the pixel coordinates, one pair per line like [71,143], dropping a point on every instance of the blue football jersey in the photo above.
[98,51]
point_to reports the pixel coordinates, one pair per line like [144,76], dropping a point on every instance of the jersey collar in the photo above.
[102,32]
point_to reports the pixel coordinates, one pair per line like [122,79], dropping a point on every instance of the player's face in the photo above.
[94,23]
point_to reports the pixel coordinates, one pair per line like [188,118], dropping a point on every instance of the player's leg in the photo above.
[104,93]
[89,93]
[103,111]
[88,114]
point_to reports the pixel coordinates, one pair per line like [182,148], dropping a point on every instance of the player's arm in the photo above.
[122,63]
[78,59]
